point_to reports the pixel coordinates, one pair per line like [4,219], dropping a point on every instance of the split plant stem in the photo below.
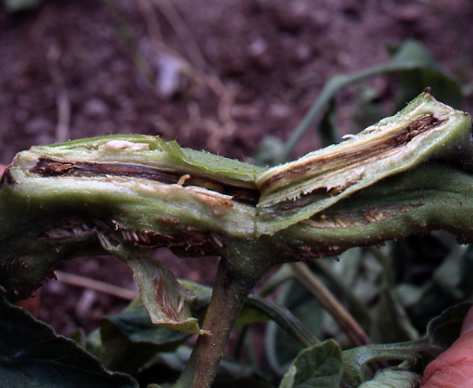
[127,195]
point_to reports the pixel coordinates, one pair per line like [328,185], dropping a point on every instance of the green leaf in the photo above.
[354,360]
[394,378]
[421,70]
[255,310]
[249,315]
[445,329]
[410,55]
[319,366]
[92,343]
[32,355]
[444,86]
[415,260]
[200,299]
[289,378]
[442,331]
[130,339]
[269,148]
[449,274]
[391,323]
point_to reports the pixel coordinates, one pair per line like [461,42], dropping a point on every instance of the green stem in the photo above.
[408,57]
[230,291]
[330,89]
[284,318]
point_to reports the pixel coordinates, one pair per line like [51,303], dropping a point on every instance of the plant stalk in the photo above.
[230,291]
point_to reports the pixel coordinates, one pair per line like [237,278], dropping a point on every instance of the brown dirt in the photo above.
[247,69]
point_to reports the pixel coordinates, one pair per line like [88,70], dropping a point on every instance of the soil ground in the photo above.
[216,75]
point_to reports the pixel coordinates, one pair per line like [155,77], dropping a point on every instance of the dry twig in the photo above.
[62,97]
[96,285]
[183,33]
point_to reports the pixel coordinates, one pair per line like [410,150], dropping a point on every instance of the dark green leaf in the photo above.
[130,339]
[449,274]
[444,86]
[433,302]
[466,285]
[411,55]
[368,109]
[415,261]
[319,366]
[420,70]
[444,330]
[92,342]
[391,323]
[32,355]
[328,126]
[268,150]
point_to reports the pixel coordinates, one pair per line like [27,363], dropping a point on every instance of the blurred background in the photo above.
[231,77]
